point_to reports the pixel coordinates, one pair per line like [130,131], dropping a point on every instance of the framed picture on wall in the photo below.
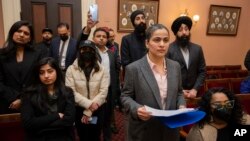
[126,7]
[223,20]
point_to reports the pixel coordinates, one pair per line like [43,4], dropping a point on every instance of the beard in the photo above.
[183,41]
[140,29]
[47,40]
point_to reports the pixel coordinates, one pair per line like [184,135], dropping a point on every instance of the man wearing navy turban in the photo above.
[189,55]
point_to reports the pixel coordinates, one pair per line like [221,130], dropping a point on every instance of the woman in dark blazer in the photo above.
[17,57]
[154,81]
[48,109]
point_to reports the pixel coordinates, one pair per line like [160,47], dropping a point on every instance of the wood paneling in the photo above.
[1,25]
[39,19]
[49,13]
[65,14]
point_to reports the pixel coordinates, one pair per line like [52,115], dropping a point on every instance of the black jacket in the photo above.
[132,48]
[14,77]
[194,75]
[41,126]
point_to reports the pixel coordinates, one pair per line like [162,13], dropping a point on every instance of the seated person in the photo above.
[245,86]
[48,106]
[223,111]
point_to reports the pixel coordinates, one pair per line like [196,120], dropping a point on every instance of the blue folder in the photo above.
[182,119]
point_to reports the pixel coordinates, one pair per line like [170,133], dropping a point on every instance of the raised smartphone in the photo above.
[93,9]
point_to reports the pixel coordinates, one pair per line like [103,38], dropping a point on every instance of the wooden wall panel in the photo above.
[2,38]
[39,19]
[65,15]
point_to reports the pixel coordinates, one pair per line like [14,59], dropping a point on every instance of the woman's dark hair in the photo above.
[38,92]
[153,28]
[10,46]
[204,105]
[53,64]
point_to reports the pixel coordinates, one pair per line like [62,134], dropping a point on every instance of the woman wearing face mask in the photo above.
[223,114]
[89,81]
[48,107]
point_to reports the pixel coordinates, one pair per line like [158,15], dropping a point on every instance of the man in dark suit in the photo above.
[133,45]
[189,55]
[100,38]
[63,47]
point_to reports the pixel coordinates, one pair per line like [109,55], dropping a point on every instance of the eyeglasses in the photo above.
[219,105]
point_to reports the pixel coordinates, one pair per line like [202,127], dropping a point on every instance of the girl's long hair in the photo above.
[38,92]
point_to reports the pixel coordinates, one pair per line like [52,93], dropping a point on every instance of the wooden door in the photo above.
[48,13]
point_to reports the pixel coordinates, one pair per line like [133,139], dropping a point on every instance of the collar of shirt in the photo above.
[105,51]
[153,66]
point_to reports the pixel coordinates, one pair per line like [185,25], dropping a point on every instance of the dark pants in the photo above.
[108,113]
[89,132]
[63,73]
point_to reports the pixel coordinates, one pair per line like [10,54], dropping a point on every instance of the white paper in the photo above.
[93,9]
[168,113]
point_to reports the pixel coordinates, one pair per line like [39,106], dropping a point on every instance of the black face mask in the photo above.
[183,41]
[140,28]
[64,37]
[223,113]
[87,56]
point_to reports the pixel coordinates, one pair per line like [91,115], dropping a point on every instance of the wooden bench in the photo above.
[223,67]
[219,74]
[11,128]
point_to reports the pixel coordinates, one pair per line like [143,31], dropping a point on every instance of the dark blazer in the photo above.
[140,88]
[13,82]
[41,126]
[44,48]
[195,75]
[114,69]
[70,54]
[132,49]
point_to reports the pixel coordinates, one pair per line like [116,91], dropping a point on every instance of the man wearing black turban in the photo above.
[189,55]
[133,45]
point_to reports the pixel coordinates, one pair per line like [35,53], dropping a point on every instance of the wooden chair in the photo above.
[221,67]
[201,91]
[191,103]
[229,74]
[242,73]
[213,75]
[245,101]
[10,127]
[210,83]
[209,68]
[233,67]
[235,84]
